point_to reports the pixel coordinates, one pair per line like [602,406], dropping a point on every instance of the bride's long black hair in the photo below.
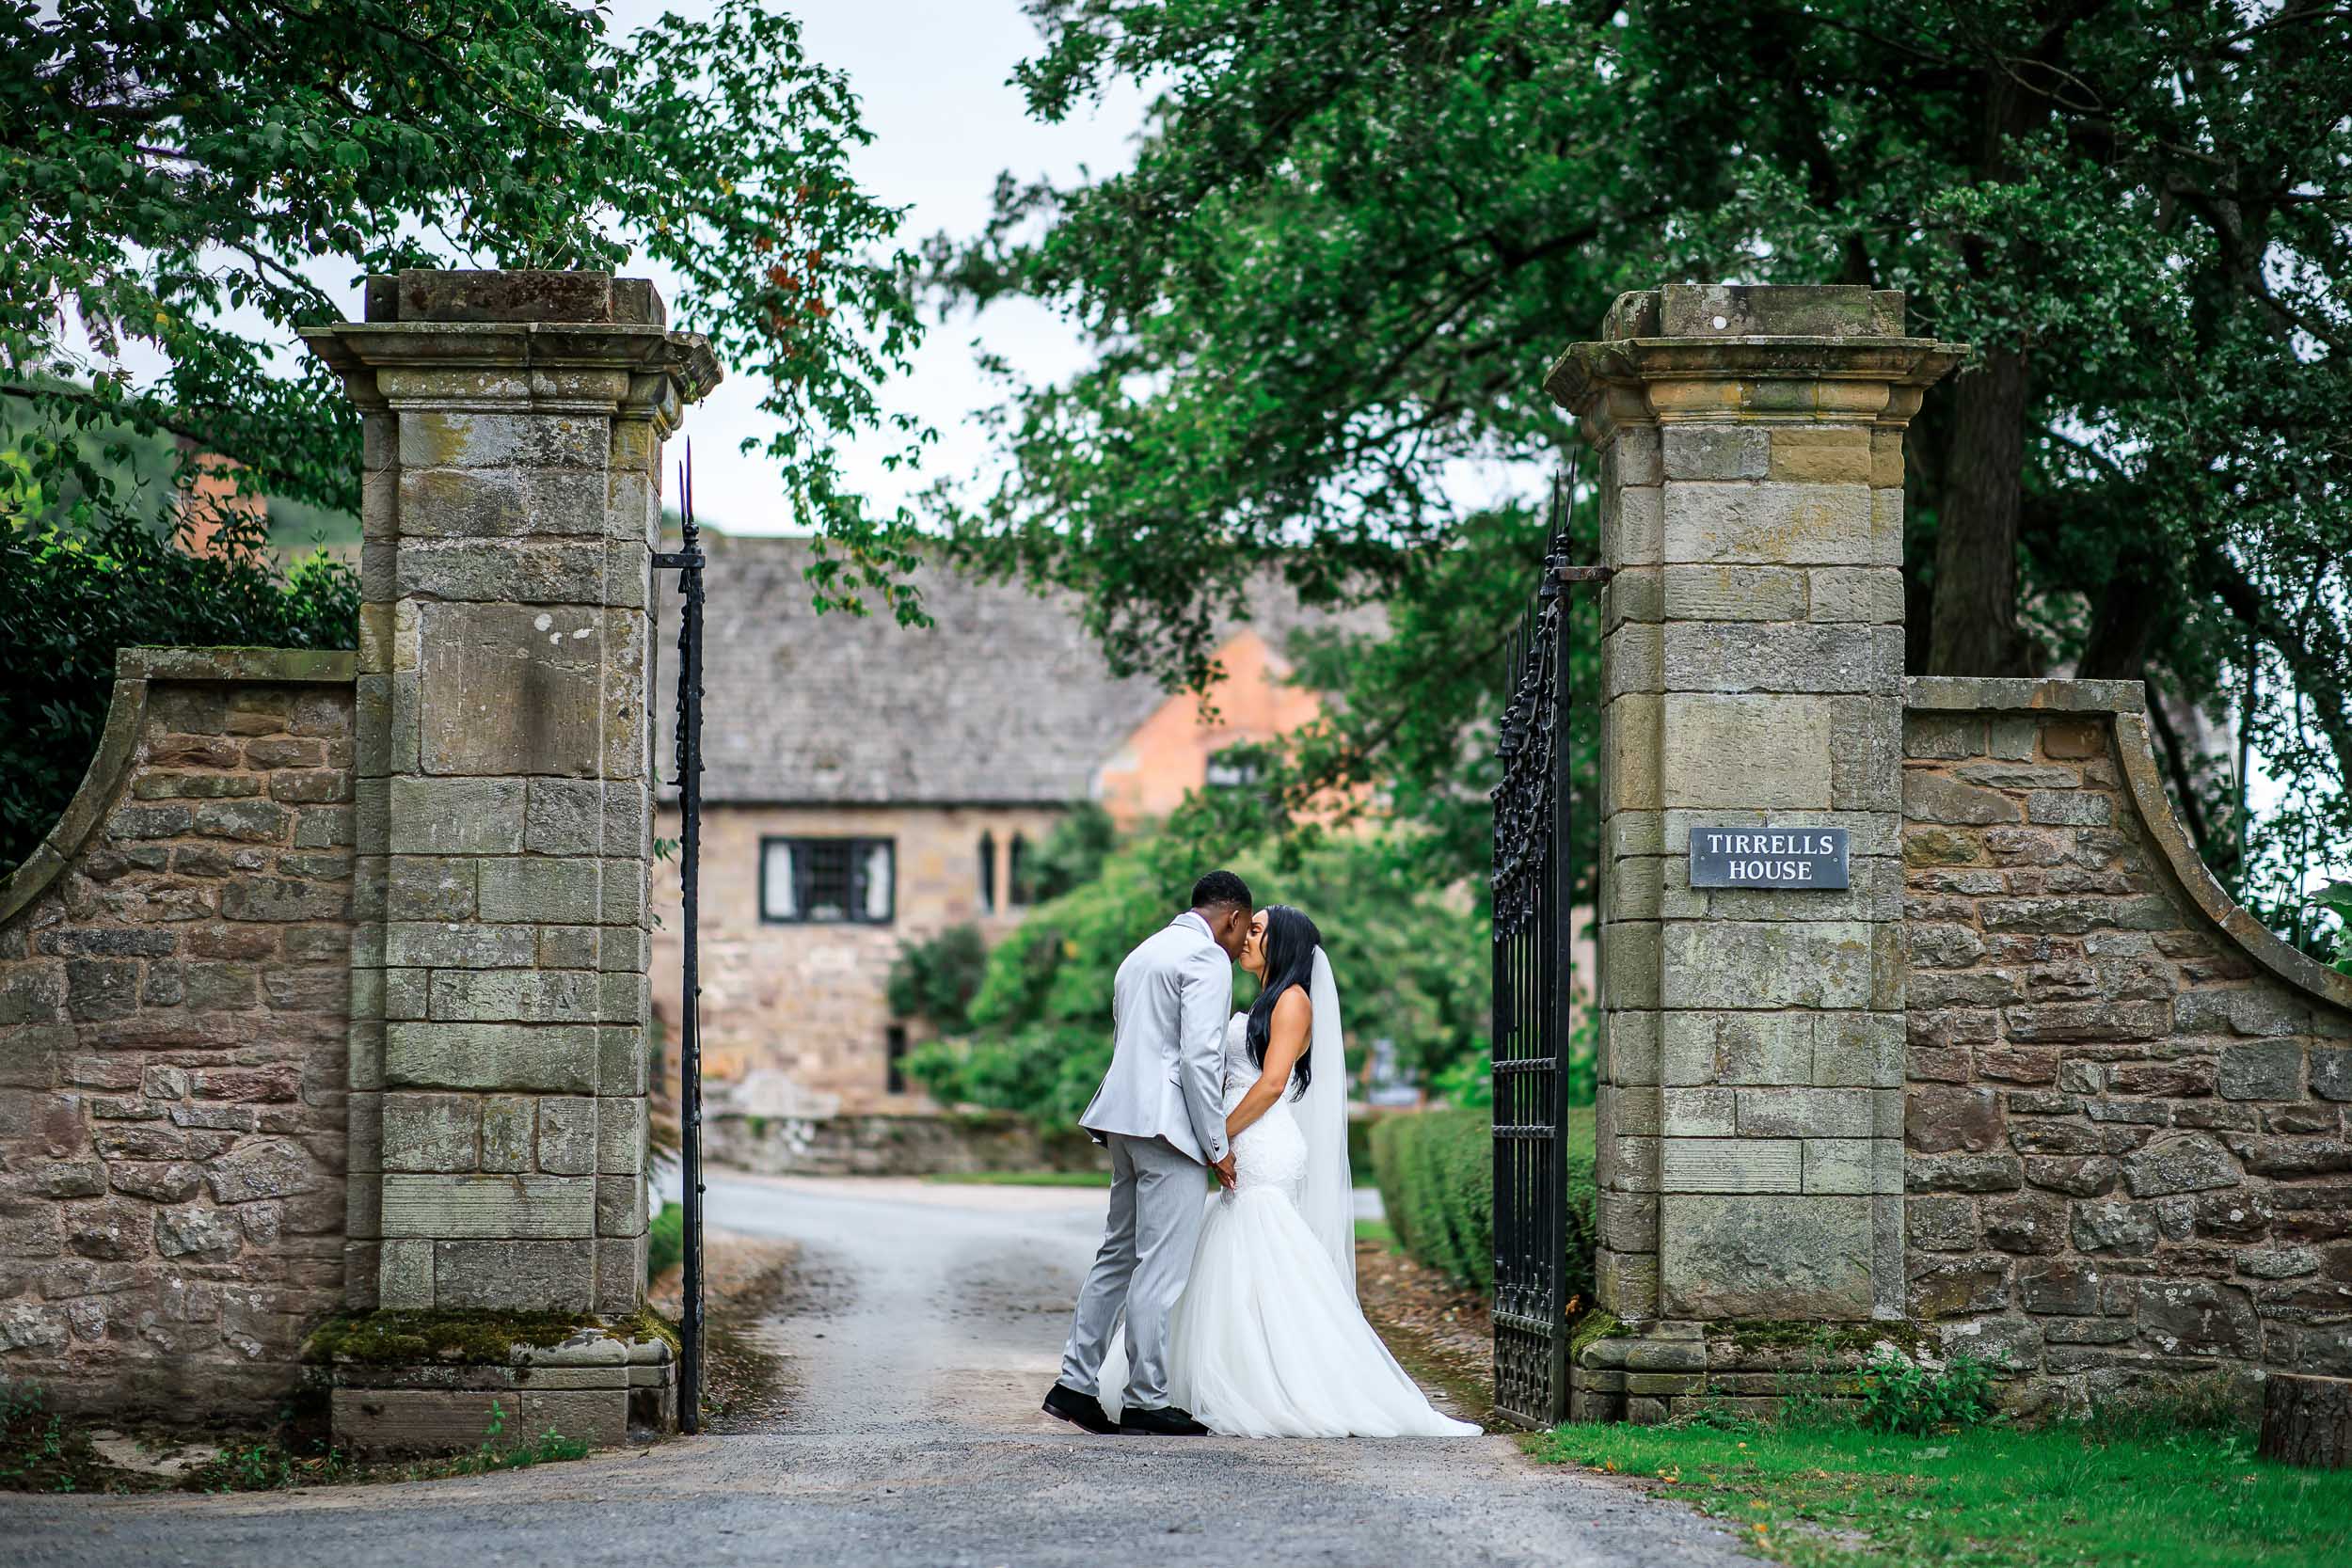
[1291,941]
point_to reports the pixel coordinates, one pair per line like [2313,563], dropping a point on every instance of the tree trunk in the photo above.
[1973,630]
[2308,1421]
[2137,601]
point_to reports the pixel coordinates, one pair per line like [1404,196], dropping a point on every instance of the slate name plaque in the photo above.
[1768,857]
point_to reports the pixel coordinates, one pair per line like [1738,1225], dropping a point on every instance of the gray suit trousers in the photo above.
[1158,1199]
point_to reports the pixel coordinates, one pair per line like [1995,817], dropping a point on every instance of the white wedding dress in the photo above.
[1268,1339]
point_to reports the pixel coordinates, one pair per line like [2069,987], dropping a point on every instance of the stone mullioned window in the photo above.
[174,996]
[2125,1137]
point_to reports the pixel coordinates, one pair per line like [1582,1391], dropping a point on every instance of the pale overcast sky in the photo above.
[934,80]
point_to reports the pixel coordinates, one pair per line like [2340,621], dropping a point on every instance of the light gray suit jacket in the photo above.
[1169,1007]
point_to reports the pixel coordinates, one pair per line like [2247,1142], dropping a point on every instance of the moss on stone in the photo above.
[466,1338]
[1592,1327]
[645,1323]
[1831,1338]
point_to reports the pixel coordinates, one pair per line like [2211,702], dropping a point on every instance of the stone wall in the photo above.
[2032,1085]
[2126,1149]
[933,1144]
[174,989]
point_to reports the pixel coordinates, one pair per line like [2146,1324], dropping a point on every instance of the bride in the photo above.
[1268,1339]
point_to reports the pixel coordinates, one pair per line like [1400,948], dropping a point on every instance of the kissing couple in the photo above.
[1240,1306]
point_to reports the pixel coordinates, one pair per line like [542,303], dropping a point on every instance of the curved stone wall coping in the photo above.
[275,666]
[1998,694]
[126,718]
[2124,703]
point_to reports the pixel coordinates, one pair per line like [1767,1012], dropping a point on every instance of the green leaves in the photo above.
[1356,233]
[70,597]
[937,977]
[170,169]
[166,162]
[1038,1034]
[2336,897]
[1900,1395]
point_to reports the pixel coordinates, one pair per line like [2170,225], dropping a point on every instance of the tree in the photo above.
[69,599]
[168,162]
[1357,230]
[1039,1040]
[172,172]
[938,977]
[1071,855]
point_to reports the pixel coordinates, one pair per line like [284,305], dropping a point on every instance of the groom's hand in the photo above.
[1224,1169]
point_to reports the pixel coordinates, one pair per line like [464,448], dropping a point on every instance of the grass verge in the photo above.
[2115,1492]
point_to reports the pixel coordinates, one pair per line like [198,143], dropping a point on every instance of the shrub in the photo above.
[937,980]
[2336,899]
[1412,970]
[69,600]
[1900,1395]
[1046,1072]
[1435,1175]
[666,1241]
[1071,855]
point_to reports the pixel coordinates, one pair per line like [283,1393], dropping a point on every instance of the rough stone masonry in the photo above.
[173,981]
[513,424]
[2126,1106]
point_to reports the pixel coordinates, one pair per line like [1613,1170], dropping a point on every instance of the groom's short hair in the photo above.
[1221,887]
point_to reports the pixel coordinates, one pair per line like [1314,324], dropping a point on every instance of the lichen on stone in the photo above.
[478,1339]
[1829,1338]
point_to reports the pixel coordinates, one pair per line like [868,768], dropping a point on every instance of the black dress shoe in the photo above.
[1168,1421]
[1065,1403]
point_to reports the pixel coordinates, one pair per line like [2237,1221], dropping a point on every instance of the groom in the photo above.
[1161,1111]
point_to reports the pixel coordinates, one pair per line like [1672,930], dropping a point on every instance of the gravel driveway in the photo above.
[926,1327]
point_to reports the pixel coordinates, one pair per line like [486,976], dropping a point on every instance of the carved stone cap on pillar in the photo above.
[1744,350]
[505,322]
[1757,310]
[515,297]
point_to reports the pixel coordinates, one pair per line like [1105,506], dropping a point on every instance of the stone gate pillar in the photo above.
[513,424]
[1751,1107]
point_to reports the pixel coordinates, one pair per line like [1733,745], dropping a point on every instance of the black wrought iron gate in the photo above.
[687,560]
[1533,885]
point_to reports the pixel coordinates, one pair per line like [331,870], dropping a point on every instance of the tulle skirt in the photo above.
[1267,1341]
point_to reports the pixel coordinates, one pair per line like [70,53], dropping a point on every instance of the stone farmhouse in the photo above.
[867,785]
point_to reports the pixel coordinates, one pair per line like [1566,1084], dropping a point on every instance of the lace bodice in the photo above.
[1271,1151]
[1240,1072]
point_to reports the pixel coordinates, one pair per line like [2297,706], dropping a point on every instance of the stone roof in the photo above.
[1005,698]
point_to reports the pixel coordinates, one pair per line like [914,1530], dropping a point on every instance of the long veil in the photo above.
[1329,1203]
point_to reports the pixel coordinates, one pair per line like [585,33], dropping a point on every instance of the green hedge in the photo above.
[1436,1171]
[666,1240]
[70,600]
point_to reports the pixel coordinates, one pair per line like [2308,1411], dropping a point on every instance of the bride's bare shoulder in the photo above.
[1294,1008]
